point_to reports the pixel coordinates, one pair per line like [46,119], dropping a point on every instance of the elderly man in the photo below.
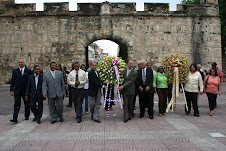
[146,92]
[18,88]
[128,90]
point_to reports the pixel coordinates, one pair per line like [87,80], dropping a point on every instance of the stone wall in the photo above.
[62,36]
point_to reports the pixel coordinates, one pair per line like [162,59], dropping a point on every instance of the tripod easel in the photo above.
[175,91]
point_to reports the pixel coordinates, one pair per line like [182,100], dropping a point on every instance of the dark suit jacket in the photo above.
[202,75]
[149,81]
[19,82]
[31,88]
[129,82]
[94,83]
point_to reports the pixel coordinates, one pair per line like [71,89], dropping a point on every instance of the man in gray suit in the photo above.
[128,90]
[53,87]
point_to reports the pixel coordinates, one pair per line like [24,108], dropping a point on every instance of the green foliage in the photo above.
[222,6]
[107,72]
[190,2]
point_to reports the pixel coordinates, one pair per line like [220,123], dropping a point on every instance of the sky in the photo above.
[173,3]
[108,46]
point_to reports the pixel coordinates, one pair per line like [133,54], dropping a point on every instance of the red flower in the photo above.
[183,66]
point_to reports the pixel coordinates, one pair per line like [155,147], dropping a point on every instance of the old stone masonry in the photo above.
[57,34]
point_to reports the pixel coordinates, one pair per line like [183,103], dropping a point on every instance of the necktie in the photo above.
[53,74]
[144,76]
[21,71]
[76,79]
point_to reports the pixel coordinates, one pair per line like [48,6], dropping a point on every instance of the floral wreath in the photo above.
[106,70]
[176,60]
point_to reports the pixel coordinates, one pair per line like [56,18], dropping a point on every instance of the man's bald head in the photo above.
[199,66]
[130,64]
[21,63]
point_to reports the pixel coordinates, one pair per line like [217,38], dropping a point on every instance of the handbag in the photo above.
[206,82]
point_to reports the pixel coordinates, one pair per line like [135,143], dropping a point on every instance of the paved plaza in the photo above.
[173,132]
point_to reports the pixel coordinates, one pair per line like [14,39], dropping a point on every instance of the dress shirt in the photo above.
[81,78]
[87,83]
[22,69]
[96,73]
[53,73]
[144,71]
[36,80]
[128,71]
[153,72]
[161,80]
[194,82]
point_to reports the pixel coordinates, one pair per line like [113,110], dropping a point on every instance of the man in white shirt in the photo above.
[77,79]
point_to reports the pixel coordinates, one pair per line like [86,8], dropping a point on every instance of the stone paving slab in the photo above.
[173,132]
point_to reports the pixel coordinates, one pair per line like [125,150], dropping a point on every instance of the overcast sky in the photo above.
[108,46]
[173,3]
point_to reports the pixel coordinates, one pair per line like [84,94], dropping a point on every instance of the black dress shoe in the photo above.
[187,113]
[62,120]
[141,116]
[92,117]
[13,120]
[98,121]
[125,121]
[38,121]
[26,118]
[197,115]
[129,118]
[68,105]
[52,122]
[79,120]
[34,119]
[151,117]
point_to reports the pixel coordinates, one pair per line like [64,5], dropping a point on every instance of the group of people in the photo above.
[34,87]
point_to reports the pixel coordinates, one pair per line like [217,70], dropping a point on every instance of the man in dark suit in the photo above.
[128,90]
[17,89]
[145,84]
[32,71]
[34,90]
[94,92]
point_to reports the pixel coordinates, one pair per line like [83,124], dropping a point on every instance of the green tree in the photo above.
[190,2]
[222,7]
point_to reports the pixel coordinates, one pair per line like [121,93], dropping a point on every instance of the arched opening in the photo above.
[99,49]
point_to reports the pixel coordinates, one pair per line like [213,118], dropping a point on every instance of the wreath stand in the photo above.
[175,92]
[115,62]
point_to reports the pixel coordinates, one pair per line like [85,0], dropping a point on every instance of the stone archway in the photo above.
[123,49]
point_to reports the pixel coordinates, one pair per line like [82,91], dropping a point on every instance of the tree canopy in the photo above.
[190,2]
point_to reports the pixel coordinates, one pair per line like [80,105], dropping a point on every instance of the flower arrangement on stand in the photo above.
[111,70]
[176,60]
[106,70]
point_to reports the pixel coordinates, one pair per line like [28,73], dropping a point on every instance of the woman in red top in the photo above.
[213,85]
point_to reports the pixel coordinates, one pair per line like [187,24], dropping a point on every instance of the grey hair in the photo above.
[145,62]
